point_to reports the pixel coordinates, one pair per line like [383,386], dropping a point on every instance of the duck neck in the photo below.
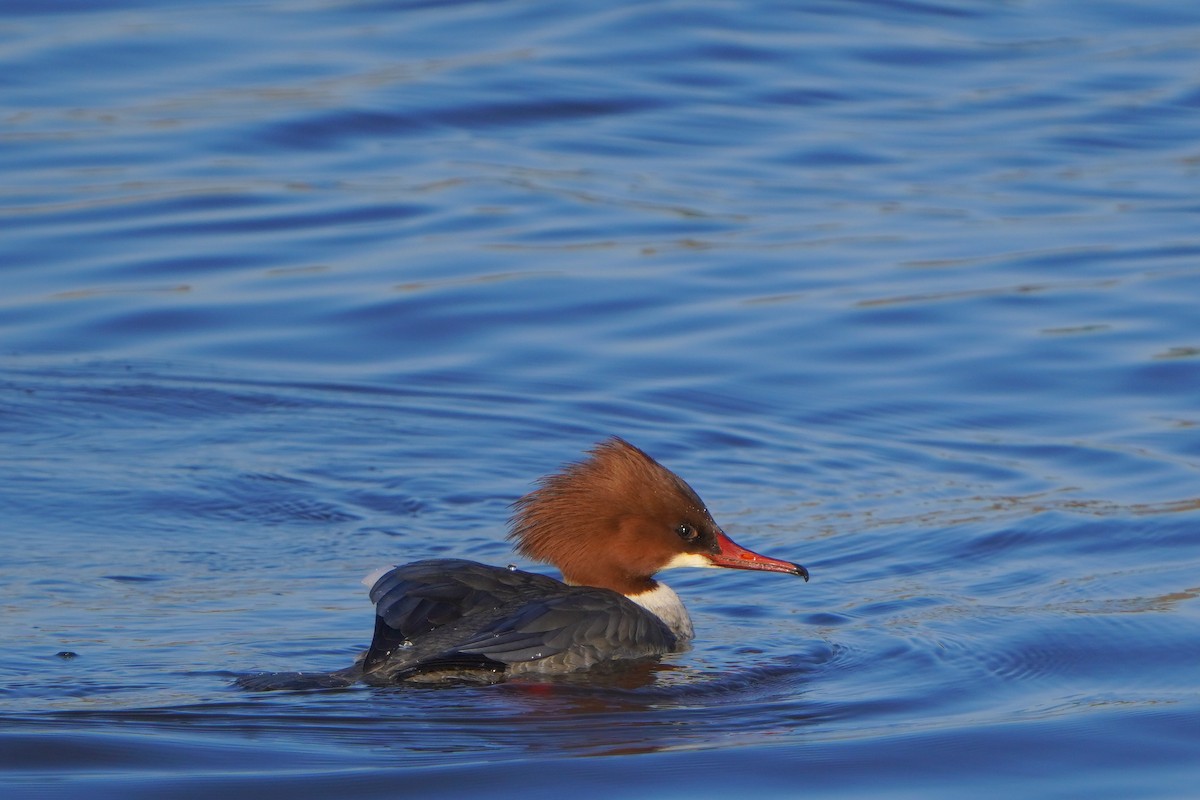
[662,602]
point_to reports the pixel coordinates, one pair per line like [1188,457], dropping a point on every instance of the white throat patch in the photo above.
[688,560]
[662,602]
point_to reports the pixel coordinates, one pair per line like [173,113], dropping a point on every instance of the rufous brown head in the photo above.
[617,517]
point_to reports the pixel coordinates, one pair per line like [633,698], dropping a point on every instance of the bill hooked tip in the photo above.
[733,556]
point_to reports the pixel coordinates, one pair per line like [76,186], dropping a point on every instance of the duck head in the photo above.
[617,517]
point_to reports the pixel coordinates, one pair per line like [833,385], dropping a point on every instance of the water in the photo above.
[906,291]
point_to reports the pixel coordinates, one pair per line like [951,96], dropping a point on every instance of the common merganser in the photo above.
[609,523]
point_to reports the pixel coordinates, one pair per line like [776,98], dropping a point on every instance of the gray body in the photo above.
[452,619]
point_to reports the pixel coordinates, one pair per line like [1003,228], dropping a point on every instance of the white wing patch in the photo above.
[370,580]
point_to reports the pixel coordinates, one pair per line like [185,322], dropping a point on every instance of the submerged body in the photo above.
[609,523]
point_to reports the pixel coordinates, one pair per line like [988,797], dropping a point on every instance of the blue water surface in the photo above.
[906,290]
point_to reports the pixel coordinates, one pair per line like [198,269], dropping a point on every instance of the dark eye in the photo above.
[687,532]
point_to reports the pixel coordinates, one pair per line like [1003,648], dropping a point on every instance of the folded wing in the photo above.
[453,615]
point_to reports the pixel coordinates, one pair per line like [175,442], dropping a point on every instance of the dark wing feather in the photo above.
[572,630]
[451,614]
[417,598]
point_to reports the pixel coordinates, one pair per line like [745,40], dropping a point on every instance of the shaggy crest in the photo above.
[567,517]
